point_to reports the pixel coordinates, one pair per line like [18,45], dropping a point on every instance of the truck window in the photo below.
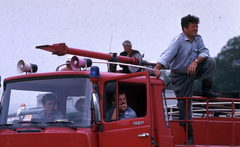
[76,107]
[47,100]
[130,102]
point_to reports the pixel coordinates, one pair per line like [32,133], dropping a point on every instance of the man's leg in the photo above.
[182,110]
[207,71]
[190,134]
[206,90]
[182,86]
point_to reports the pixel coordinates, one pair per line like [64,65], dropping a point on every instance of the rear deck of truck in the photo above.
[216,122]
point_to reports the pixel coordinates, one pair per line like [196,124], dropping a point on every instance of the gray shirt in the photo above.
[127,114]
[181,52]
[56,115]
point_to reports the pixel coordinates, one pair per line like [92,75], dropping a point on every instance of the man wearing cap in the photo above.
[128,51]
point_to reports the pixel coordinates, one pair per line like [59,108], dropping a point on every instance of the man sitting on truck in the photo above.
[49,102]
[125,112]
[129,52]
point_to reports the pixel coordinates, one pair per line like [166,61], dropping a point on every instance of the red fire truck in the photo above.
[84,95]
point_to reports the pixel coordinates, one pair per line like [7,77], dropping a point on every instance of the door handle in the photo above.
[143,135]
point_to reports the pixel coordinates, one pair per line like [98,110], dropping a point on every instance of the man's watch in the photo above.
[196,60]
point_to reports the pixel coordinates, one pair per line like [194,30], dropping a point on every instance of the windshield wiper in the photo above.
[7,126]
[63,123]
[35,123]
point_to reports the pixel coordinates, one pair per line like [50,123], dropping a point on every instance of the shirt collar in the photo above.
[186,38]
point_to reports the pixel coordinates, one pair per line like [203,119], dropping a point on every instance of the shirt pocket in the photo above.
[195,52]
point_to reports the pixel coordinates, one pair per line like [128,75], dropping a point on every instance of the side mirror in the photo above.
[96,107]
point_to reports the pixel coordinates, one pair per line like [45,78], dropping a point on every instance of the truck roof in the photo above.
[72,72]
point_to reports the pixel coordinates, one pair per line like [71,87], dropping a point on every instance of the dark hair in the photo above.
[79,105]
[48,97]
[189,18]
[113,95]
[121,91]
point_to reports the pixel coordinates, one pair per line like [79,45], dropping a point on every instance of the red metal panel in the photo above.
[210,130]
[125,132]
[163,133]
[50,137]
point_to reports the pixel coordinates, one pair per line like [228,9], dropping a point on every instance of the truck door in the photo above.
[124,128]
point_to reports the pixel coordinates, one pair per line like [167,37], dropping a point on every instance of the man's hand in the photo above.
[157,72]
[192,68]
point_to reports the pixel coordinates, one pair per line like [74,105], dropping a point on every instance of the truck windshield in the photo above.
[50,101]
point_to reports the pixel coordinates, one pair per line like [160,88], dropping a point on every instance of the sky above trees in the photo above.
[103,25]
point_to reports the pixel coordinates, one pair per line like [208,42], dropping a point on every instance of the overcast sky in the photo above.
[89,24]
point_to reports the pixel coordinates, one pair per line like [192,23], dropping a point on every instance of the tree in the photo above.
[228,67]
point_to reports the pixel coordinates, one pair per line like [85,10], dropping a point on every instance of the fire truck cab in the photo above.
[75,100]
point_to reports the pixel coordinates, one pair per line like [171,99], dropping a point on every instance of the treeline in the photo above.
[228,67]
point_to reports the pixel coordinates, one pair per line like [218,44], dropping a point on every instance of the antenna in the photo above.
[110,44]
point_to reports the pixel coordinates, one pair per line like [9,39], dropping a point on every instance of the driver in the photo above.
[125,112]
[49,102]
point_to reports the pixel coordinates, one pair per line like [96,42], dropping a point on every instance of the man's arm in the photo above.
[203,51]
[192,67]
[111,113]
[156,70]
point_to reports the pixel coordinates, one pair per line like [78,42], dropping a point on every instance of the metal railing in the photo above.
[208,108]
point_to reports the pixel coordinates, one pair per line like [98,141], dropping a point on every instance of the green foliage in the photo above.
[228,67]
